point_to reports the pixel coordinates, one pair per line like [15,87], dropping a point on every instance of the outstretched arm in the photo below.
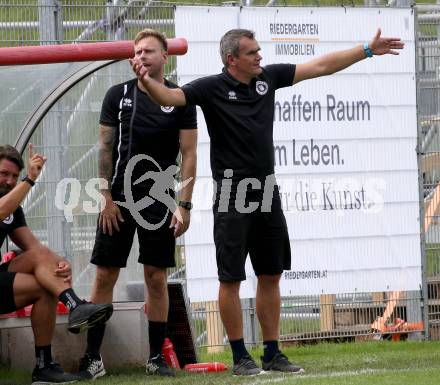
[161,94]
[337,61]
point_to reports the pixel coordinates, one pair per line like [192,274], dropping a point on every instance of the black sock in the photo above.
[238,350]
[95,335]
[156,333]
[43,355]
[270,349]
[70,299]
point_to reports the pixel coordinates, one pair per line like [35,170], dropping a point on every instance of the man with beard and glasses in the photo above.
[134,128]
[37,276]
[238,105]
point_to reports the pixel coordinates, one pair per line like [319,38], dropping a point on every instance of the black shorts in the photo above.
[7,302]
[263,235]
[156,247]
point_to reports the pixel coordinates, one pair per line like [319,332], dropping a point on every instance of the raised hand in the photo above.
[385,45]
[35,163]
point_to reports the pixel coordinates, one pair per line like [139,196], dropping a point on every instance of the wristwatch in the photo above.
[367,50]
[29,180]
[186,205]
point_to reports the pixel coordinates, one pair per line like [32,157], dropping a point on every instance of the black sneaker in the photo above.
[91,368]
[246,367]
[87,315]
[158,365]
[52,374]
[281,363]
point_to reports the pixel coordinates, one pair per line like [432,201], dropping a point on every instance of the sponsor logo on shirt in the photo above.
[232,95]
[167,109]
[127,102]
[8,220]
[261,87]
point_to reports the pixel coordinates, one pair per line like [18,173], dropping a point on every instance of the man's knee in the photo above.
[29,260]
[269,280]
[156,280]
[39,255]
[106,277]
[231,288]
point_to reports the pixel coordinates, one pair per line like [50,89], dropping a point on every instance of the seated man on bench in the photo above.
[37,276]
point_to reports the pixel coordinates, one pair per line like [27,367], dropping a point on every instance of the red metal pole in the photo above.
[62,53]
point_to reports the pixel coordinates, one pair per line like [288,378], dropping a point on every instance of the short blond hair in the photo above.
[147,32]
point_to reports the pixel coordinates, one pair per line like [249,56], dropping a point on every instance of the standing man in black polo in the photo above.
[238,105]
[133,127]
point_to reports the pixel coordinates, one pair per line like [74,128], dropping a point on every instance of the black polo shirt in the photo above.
[10,223]
[143,127]
[240,119]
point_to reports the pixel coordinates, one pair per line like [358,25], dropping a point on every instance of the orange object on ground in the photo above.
[403,327]
[206,367]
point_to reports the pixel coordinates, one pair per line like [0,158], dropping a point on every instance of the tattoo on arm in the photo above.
[107,136]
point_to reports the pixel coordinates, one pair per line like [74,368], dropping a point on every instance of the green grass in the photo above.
[383,363]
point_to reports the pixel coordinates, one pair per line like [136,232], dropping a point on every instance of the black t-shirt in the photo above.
[143,127]
[240,119]
[12,222]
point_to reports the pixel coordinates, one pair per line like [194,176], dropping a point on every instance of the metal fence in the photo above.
[429,120]
[73,154]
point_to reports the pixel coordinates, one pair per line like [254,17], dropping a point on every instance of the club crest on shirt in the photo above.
[8,220]
[232,95]
[127,102]
[167,109]
[261,87]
